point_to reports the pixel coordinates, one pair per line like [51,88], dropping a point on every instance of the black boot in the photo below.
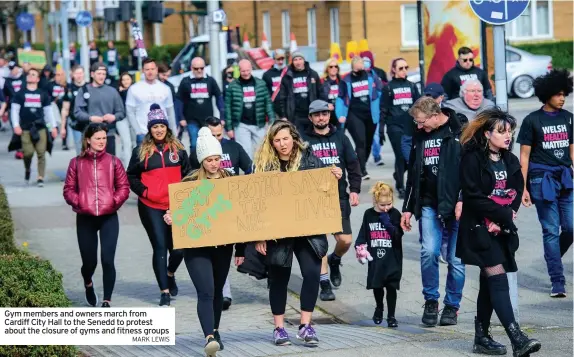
[483,342]
[521,344]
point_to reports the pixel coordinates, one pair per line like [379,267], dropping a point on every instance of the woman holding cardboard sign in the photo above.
[208,266]
[284,150]
[160,160]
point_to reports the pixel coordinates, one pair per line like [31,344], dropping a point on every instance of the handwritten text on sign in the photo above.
[255,207]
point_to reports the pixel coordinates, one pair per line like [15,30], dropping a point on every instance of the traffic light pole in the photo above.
[213,6]
[65,41]
[500,67]
[84,49]
[139,19]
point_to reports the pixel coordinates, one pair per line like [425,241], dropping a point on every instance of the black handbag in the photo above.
[480,238]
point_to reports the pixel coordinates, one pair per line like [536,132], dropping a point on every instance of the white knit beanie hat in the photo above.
[207,145]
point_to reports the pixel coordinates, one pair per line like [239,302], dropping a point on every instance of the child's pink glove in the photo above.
[363,254]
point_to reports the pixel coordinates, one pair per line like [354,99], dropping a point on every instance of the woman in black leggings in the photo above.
[399,96]
[159,161]
[208,266]
[96,187]
[492,186]
[284,150]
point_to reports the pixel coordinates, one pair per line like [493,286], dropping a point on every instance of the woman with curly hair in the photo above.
[491,185]
[159,161]
[546,153]
[283,150]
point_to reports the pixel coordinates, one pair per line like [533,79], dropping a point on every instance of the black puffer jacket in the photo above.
[280,252]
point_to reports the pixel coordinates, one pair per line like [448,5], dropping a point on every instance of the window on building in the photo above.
[334,21]
[409,26]
[285,28]
[534,23]
[267,26]
[311,27]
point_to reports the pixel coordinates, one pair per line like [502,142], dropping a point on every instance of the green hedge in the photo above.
[561,52]
[28,281]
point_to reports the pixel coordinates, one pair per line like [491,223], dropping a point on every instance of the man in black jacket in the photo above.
[463,71]
[433,196]
[334,148]
[299,87]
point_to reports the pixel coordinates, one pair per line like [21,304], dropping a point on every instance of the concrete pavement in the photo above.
[46,223]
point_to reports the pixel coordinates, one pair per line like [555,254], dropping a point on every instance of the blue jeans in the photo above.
[376,147]
[192,129]
[432,231]
[554,217]
[406,144]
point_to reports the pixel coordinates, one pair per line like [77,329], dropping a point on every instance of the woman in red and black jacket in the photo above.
[96,187]
[159,161]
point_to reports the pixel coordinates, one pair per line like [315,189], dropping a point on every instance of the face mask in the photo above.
[367,63]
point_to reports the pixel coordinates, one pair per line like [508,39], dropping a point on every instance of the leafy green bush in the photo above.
[27,281]
[561,52]
[6,226]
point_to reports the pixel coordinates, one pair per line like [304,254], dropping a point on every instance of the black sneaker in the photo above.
[449,316]
[226,303]
[218,339]
[211,347]
[65,147]
[335,269]
[106,304]
[165,299]
[326,293]
[366,175]
[173,289]
[392,322]
[401,193]
[378,315]
[430,314]
[27,176]
[40,183]
[91,296]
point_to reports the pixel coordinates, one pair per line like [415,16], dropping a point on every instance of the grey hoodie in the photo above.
[460,107]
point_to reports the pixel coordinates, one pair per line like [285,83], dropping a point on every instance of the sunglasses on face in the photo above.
[335,66]
[280,59]
[198,68]
[405,68]
[467,60]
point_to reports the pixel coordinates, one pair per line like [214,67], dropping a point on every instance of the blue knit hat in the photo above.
[156,116]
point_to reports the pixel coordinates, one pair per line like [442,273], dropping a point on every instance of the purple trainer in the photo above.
[281,337]
[307,334]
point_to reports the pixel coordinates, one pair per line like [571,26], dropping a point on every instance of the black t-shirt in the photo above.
[32,105]
[549,135]
[283,164]
[360,103]
[234,158]
[500,176]
[248,114]
[94,56]
[431,154]
[57,93]
[333,92]
[111,56]
[196,95]
[301,92]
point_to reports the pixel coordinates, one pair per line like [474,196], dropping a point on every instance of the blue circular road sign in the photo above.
[84,18]
[25,21]
[498,12]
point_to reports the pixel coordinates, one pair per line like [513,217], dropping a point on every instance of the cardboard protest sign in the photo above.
[262,206]
[36,58]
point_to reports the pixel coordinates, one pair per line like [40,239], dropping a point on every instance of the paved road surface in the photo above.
[46,223]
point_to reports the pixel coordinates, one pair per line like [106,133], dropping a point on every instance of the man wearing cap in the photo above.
[332,147]
[272,76]
[247,104]
[299,87]
[97,102]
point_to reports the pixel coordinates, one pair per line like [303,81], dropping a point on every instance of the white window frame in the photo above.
[311,27]
[511,27]
[404,41]
[285,28]
[334,25]
[267,26]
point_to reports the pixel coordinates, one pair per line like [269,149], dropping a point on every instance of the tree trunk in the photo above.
[47,43]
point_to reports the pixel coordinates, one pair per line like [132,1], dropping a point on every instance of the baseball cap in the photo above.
[97,66]
[12,64]
[318,106]
[279,53]
[434,90]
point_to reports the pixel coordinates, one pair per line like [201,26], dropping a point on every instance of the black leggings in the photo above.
[391,299]
[395,137]
[310,266]
[159,234]
[208,268]
[362,130]
[87,228]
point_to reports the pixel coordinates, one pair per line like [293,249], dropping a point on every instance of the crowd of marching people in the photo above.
[296,119]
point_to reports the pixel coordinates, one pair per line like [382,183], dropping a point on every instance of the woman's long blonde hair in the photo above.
[326,71]
[148,144]
[201,174]
[267,158]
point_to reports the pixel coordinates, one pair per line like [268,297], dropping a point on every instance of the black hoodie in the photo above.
[453,80]
[334,148]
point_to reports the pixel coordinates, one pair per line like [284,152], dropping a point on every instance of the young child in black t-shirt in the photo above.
[381,236]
